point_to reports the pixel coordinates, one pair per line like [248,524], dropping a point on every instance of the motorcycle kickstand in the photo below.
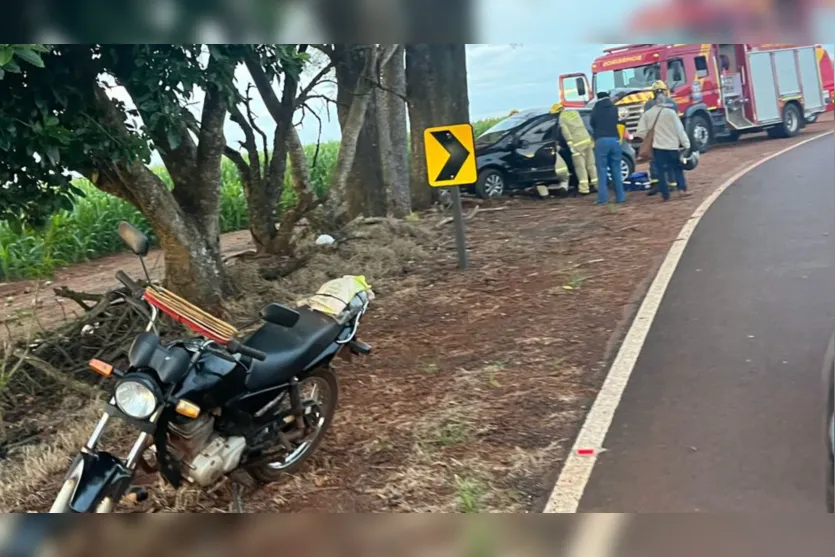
[237,497]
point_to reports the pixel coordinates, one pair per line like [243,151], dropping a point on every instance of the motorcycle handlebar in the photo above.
[236,347]
[129,283]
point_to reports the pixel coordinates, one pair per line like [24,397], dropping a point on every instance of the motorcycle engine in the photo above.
[204,455]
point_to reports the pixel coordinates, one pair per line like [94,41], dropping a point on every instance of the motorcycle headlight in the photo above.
[136,399]
[623,113]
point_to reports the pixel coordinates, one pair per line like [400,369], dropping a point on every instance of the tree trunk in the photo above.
[263,189]
[186,219]
[394,134]
[335,208]
[436,85]
[365,189]
[193,265]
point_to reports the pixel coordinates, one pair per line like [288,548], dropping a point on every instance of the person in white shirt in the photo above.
[669,138]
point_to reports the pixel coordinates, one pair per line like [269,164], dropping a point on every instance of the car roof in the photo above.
[534,112]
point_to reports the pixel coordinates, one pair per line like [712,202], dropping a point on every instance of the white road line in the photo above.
[565,498]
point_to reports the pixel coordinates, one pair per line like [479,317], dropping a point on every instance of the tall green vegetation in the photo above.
[88,230]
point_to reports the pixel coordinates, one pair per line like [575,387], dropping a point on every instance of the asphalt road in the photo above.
[723,412]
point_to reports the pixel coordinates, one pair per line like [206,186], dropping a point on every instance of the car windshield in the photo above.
[641,77]
[498,130]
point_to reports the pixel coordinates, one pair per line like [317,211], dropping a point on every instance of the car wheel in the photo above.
[627,168]
[491,183]
[698,129]
[812,119]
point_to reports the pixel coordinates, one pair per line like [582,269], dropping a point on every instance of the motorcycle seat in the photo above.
[289,350]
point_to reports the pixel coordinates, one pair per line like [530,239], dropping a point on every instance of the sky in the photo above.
[500,77]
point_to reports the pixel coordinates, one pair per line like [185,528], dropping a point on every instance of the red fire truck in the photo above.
[722,90]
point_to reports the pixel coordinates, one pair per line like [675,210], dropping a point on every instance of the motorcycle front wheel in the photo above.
[320,394]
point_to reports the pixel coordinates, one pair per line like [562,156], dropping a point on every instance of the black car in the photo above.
[518,153]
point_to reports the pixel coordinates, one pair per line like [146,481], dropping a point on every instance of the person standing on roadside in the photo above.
[608,151]
[659,87]
[661,126]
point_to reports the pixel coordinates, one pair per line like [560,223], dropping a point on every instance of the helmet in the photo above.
[556,107]
[690,162]
[659,86]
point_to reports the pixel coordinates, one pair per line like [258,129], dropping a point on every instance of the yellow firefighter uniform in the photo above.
[582,147]
[561,168]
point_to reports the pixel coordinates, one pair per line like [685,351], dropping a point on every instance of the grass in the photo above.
[89,230]
[470,494]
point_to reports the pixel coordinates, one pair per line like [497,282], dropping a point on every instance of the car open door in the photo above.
[575,91]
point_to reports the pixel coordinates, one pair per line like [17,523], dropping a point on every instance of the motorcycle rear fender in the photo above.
[100,475]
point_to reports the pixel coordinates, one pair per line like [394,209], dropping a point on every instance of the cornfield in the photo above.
[89,230]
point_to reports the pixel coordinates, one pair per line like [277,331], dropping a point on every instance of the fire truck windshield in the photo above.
[640,77]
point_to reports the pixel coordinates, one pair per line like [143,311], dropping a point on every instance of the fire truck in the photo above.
[722,90]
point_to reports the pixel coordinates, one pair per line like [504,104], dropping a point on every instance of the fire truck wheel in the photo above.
[698,128]
[792,122]
[812,119]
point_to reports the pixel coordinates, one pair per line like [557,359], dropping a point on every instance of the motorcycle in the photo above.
[212,406]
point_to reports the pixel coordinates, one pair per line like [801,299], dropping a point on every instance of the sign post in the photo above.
[450,163]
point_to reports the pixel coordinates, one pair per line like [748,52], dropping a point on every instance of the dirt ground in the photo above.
[480,379]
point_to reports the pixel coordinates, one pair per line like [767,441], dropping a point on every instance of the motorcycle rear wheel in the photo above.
[324,382]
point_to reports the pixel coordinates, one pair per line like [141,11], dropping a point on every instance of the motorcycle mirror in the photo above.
[581,86]
[134,239]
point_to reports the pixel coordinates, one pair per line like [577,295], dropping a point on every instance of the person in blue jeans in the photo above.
[669,167]
[608,151]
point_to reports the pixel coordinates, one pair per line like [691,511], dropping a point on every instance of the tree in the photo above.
[262,170]
[376,184]
[60,119]
[268,66]
[436,86]
[336,209]
[365,190]
[390,99]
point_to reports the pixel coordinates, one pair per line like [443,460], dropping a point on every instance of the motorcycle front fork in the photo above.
[142,442]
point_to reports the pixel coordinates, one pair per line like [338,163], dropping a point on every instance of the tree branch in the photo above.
[387,52]
[239,161]
[262,83]
[252,122]
[249,143]
[314,82]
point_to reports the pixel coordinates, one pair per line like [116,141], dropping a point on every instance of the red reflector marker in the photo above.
[585,452]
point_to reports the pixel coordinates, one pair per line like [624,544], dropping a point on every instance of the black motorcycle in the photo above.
[212,406]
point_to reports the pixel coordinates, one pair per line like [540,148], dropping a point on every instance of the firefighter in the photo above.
[659,88]
[577,137]
[562,172]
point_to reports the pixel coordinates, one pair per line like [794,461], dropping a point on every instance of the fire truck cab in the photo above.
[722,90]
